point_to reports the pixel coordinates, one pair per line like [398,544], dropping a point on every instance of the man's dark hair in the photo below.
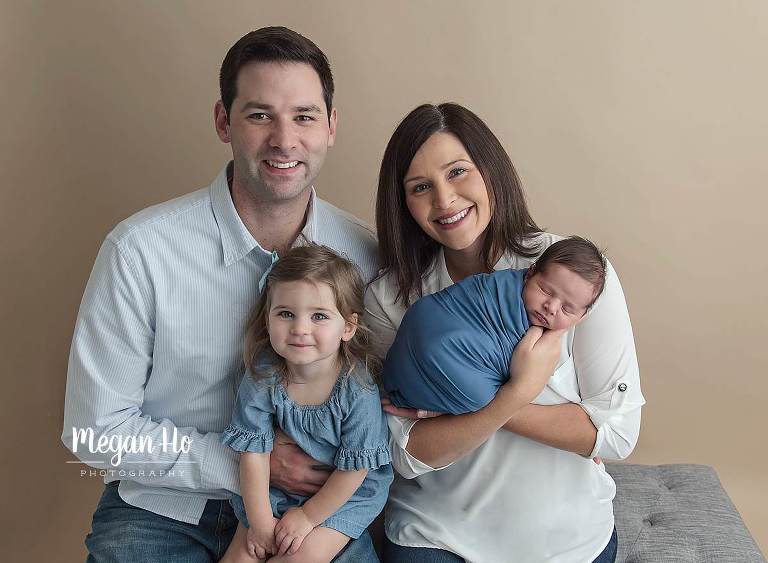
[580,256]
[273,45]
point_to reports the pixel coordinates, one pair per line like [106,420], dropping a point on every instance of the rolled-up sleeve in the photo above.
[607,371]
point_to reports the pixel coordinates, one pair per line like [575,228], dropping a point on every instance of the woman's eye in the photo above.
[456,172]
[544,291]
[417,189]
[319,317]
[567,311]
[285,315]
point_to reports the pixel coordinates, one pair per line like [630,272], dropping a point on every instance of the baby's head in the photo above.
[564,283]
[311,309]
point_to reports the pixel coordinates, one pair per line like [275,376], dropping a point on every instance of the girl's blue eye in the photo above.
[319,317]
[285,314]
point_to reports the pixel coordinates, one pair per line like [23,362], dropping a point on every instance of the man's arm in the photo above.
[109,365]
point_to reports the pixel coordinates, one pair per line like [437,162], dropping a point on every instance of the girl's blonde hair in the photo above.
[315,264]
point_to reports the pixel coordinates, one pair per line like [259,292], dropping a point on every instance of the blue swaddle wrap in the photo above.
[453,348]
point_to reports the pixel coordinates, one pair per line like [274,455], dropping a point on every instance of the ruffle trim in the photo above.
[354,460]
[242,440]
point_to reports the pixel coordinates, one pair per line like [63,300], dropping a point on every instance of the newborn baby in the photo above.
[453,348]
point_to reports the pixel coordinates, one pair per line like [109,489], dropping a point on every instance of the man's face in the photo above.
[278,128]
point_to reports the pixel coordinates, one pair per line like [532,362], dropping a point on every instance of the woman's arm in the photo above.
[565,427]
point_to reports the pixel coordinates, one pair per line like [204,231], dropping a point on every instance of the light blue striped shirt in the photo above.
[158,342]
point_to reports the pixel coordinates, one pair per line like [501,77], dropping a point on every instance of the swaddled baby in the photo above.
[453,347]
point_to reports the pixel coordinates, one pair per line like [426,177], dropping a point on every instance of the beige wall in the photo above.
[643,125]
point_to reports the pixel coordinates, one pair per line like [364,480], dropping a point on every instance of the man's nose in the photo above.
[443,196]
[283,136]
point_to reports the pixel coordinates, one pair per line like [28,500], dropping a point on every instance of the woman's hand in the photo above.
[415,414]
[292,470]
[291,530]
[260,538]
[533,363]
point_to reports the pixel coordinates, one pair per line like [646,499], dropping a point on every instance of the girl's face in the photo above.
[305,327]
[446,194]
[556,297]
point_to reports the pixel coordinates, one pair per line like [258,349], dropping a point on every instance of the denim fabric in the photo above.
[609,553]
[121,533]
[394,553]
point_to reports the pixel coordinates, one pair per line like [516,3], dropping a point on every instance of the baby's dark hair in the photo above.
[580,256]
[315,264]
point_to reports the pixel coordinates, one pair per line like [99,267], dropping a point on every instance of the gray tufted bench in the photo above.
[677,513]
[671,514]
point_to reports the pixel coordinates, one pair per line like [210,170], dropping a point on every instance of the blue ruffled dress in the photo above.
[348,431]
[453,348]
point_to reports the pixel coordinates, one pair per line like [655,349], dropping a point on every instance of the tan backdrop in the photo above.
[641,125]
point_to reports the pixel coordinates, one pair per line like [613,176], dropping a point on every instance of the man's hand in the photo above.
[292,470]
[261,539]
[533,363]
[291,530]
[387,406]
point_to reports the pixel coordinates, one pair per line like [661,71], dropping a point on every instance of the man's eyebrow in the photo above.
[443,167]
[255,104]
[308,108]
[311,108]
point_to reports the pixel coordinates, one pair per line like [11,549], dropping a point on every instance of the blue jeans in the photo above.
[394,553]
[121,533]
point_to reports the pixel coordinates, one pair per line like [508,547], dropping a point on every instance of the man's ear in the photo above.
[332,122]
[350,328]
[220,122]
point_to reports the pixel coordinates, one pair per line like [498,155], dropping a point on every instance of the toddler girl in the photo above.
[308,373]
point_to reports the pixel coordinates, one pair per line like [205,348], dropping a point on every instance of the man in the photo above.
[155,358]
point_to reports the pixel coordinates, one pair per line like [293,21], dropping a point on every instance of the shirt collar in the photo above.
[236,239]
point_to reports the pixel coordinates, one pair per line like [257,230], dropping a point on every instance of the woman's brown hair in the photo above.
[315,264]
[405,251]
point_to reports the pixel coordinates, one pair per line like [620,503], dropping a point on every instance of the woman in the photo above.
[514,481]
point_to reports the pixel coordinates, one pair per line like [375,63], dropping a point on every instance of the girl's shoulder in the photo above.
[358,382]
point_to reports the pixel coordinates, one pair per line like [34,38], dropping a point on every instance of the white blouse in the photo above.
[513,499]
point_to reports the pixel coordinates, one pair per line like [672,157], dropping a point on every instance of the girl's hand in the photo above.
[291,530]
[260,538]
[533,362]
[387,406]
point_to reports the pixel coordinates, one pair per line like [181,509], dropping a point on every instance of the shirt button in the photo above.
[622,387]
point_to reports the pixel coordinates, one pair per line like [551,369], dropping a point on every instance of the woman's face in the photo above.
[446,194]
